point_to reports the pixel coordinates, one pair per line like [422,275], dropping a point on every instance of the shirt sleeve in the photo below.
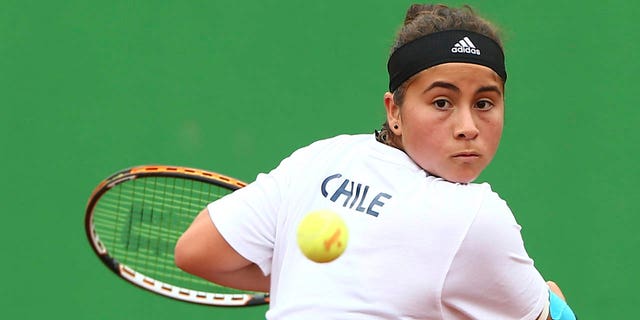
[244,220]
[491,275]
[248,217]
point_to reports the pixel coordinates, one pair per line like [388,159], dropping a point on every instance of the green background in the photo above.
[88,88]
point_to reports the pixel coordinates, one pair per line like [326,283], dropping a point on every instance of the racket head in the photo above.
[134,218]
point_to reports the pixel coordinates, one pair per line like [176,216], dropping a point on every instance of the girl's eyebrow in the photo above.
[442,84]
[488,89]
[452,87]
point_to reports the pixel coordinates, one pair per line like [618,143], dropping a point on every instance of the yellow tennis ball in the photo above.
[322,236]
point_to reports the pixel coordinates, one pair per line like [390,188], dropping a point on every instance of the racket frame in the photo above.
[148,283]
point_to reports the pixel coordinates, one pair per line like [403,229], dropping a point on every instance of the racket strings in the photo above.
[162,222]
[143,218]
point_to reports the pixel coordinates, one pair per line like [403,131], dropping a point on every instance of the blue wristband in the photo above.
[559,309]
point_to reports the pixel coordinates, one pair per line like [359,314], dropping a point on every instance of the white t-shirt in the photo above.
[419,247]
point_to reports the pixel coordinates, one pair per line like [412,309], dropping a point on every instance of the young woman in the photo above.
[424,241]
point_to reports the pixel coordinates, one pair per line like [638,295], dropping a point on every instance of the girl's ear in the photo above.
[393,114]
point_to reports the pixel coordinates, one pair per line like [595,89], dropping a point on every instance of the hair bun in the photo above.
[415,10]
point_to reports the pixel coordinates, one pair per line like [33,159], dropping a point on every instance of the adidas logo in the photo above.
[465,46]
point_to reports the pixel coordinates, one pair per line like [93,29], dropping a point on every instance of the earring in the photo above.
[395,126]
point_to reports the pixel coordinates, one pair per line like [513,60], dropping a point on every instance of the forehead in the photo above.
[468,74]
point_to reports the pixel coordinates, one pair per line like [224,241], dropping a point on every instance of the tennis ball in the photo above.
[322,236]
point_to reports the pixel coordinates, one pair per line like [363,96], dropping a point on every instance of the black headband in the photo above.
[442,47]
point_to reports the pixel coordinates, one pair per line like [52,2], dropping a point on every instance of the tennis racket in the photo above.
[135,217]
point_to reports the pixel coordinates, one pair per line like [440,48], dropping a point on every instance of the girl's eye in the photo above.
[442,104]
[484,105]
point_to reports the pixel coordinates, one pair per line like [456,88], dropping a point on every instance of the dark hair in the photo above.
[424,19]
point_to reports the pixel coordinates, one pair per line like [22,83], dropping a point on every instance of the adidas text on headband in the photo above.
[443,47]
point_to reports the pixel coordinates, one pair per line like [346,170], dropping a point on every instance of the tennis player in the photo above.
[425,242]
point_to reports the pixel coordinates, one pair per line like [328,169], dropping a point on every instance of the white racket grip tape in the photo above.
[545,311]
